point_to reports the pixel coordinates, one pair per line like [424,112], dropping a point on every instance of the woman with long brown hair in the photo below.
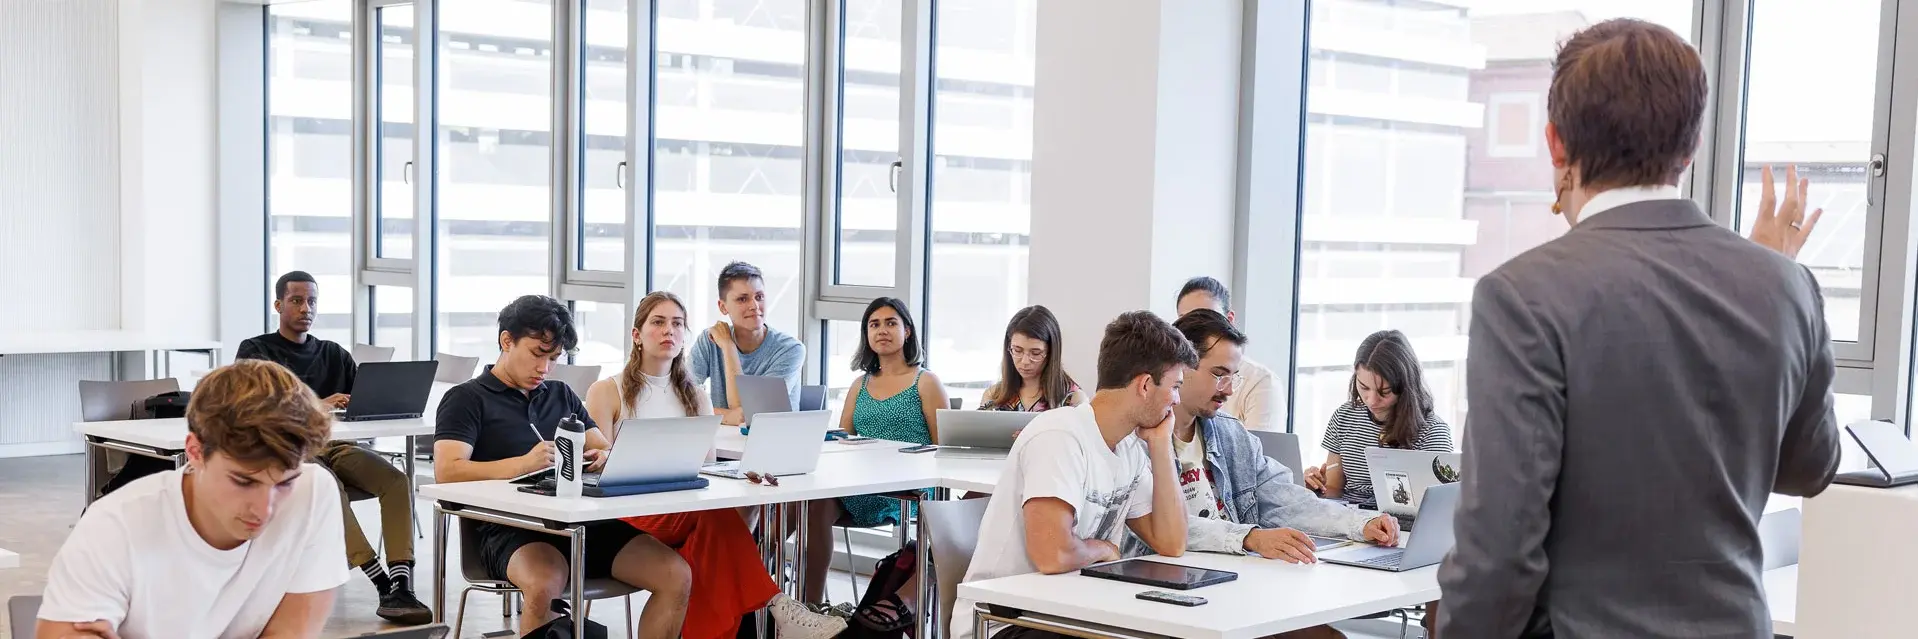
[728,579]
[1387,406]
[1031,377]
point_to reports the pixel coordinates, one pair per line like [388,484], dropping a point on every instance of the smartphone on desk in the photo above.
[1172,598]
[922,448]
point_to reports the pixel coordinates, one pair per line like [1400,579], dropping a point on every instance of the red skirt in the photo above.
[728,578]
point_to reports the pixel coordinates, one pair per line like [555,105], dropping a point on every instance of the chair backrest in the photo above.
[110,401]
[952,533]
[455,369]
[363,353]
[21,612]
[812,398]
[1778,537]
[1283,447]
[956,403]
[579,378]
[472,566]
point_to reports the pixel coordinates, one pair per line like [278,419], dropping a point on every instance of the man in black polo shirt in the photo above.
[499,426]
[328,369]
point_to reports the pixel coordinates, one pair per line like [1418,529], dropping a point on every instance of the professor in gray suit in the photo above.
[1639,386]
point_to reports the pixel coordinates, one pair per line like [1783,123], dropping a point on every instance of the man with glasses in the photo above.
[1255,399]
[1237,500]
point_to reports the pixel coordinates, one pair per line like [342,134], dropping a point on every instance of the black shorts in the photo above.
[603,541]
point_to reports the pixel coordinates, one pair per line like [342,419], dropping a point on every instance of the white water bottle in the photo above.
[569,443]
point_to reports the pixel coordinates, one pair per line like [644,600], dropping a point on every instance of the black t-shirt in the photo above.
[324,366]
[493,417]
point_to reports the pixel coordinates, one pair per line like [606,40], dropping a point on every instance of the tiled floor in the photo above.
[40,498]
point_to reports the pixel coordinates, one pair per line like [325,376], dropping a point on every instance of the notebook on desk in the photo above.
[1894,463]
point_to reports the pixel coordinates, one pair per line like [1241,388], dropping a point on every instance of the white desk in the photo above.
[1269,597]
[9,559]
[103,341]
[728,443]
[1853,581]
[1781,593]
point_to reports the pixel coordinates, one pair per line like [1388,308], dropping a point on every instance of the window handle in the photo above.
[406,173]
[619,176]
[892,175]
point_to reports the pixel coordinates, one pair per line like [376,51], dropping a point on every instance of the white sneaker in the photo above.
[792,620]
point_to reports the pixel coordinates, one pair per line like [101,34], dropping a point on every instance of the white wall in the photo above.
[1134,151]
[169,47]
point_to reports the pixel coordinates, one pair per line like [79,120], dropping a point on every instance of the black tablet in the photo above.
[1159,574]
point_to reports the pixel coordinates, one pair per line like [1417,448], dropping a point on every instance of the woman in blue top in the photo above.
[894,400]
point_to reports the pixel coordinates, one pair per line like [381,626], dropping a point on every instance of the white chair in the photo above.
[578,378]
[476,579]
[1778,534]
[952,533]
[454,369]
[363,353]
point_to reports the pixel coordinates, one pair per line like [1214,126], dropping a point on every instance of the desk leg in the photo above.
[779,548]
[978,624]
[803,523]
[96,471]
[928,595]
[579,580]
[439,564]
[408,465]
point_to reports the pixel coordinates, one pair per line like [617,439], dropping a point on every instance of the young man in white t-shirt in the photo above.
[244,542]
[1075,474]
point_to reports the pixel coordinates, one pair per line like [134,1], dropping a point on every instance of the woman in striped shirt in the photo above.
[1389,406]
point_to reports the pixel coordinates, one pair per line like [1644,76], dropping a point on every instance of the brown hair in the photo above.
[1036,322]
[256,411]
[631,381]
[1389,355]
[1627,100]
[1139,343]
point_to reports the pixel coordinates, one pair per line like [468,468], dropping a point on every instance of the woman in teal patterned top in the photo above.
[894,400]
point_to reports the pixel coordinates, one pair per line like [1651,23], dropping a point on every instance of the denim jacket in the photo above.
[1258,493]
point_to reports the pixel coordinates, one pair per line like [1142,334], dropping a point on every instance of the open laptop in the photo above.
[1400,477]
[1893,461]
[979,434]
[390,390]
[1423,548]
[763,394]
[1281,447]
[780,444]
[650,452]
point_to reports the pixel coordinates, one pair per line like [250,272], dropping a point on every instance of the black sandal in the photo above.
[887,615]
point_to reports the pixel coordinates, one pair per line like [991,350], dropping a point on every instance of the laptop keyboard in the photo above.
[1390,561]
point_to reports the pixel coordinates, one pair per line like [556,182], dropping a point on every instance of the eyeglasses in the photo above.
[1034,355]
[768,478]
[1232,380]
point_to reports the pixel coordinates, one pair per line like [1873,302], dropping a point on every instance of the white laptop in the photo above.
[779,444]
[979,434]
[1400,477]
[657,450]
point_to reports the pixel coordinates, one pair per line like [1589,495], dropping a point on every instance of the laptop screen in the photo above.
[1886,445]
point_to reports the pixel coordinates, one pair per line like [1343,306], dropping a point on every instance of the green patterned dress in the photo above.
[898,418]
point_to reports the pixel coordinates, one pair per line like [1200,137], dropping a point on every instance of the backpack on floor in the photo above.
[889,574]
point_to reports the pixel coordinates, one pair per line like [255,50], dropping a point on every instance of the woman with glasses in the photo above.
[1388,406]
[1030,377]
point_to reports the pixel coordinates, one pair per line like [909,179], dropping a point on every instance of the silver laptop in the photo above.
[1423,548]
[1893,460]
[763,394]
[979,434]
[1283,448]
[780,444]
[652,451]
[1400,477]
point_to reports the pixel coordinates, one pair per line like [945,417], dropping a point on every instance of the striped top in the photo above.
[1352,430]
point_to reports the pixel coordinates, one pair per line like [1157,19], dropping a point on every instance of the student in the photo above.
[728,578]
[328,369]
[1640,386]
[895,399]
[747,346]
[1257,401]
[243,542]
[1031,378]
[1075,473]
[1237,500]
[1389,406]
[500,425]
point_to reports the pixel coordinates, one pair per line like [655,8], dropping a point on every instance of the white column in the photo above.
[1134,154]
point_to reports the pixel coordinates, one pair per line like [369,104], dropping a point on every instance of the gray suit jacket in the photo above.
[1637,388]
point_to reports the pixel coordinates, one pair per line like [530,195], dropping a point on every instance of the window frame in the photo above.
[369,269]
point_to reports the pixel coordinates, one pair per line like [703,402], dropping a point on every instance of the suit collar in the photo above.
[1648,215]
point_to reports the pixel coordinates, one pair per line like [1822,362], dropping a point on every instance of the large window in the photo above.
[727,166]
[393,66]
[601,234]
[494,164]
[1424,169]
[868,122]
[981,209]
[309,193]
[1809,95]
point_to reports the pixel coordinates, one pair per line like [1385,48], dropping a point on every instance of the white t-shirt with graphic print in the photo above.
[1062,455]
[1195,480]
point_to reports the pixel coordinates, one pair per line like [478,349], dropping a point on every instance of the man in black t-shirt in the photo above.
[499,426]
[328,369]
